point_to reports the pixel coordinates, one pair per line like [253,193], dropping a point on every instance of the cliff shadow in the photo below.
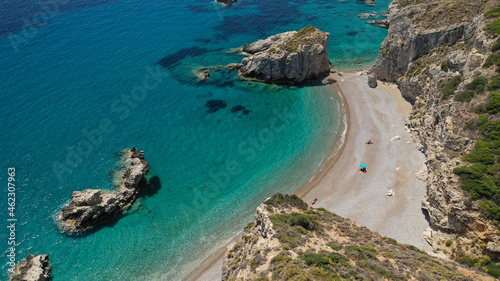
[151,187]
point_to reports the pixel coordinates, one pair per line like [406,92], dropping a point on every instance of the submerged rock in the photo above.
[237,108]
[290,57]
[33,268]
[92,207]
[215,105]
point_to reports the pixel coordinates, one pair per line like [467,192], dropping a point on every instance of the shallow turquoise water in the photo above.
[76,72]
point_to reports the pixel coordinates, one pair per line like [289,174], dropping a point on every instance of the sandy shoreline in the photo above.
[377,114]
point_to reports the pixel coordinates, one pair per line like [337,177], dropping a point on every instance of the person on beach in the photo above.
[369,142]
[315,201]
[363,170]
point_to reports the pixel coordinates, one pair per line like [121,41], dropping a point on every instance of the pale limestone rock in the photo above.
[290,57]
[33,268]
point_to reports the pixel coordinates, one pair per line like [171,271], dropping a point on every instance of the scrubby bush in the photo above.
[493,105]
[464,96]
[494,27]
[451,86]
[286,200]
[494,84]
[444,66]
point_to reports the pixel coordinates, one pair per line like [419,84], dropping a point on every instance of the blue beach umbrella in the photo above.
[363,165]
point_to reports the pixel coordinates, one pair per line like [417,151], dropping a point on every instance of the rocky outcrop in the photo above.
[290,241]
[422,52]
[92,207]
[290,57]
[33,268]
[372,80]
[226,2]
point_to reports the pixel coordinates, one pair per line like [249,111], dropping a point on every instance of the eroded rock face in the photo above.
[419,60]
[92,207]
[33,268]
[290,57]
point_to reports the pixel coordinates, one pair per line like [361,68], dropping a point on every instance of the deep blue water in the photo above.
[82,80]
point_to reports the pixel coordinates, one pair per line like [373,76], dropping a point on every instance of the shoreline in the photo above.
[333,172]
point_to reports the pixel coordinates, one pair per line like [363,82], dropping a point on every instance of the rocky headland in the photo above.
[93,207]
[443,55]
[290,57]
[290,241]
[33,268]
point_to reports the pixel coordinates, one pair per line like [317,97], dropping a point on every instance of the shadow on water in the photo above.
[171,60]
[151,187]
[18,15]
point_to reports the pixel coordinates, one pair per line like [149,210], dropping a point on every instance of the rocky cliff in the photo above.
[92,207]
[290,57]
[290,241]
[33,268]
[437,53]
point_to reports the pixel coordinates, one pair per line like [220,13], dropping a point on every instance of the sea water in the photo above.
[82,80]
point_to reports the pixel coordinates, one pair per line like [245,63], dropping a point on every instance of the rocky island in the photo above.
[92,207]
[33,268]
[290,241]
[290,57]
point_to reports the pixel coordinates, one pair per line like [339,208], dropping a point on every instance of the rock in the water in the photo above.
[90,207]
[372,80]
[290,57]
[203,75]
[226,2]
[329,80]
[33,268]
[380,23]
[215,105]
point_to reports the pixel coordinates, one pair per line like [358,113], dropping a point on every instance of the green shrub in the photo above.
[493,13]
[464,96]
[496,46]
[451,86]
[444,66]
[493,105]
[477,85]
[361,253]
[493,269]
[335,246]
[492,60]
[494,84]
[494,27]
[490,210]
[307,222]
[286,200]
[448,243]
[315,259]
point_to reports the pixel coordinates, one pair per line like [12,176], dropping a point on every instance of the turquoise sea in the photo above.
[81,80]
